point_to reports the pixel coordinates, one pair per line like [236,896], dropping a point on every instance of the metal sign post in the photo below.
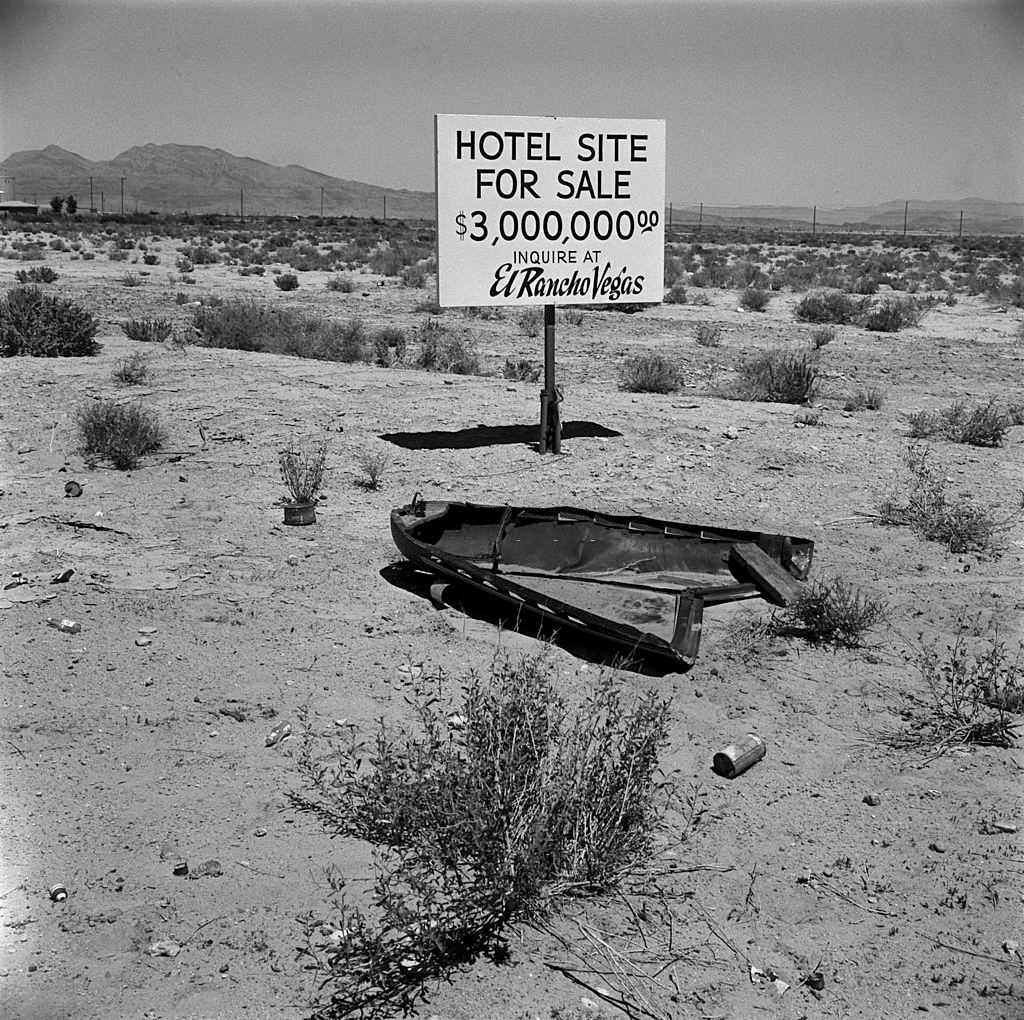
[550,396]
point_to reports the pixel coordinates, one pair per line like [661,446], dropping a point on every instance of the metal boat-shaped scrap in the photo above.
[639,583]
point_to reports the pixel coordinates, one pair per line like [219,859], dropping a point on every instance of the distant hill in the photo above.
[176,178]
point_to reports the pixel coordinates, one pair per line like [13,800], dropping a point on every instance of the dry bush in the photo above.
[41,326]
[777,376]
[147,330]
[708,334]
[927,508]
[832,612]
[755,299]
[870,399]
[373,464]
[828,306]
[444,350]
[120,433]
[985,425]
[133,370]
[975,691]
[520,370]
[302,470]
[492,812]
[649,373]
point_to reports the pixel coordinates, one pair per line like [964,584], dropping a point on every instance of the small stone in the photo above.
[143,641]
[292,561]
[872,799]
[937,848]
[816,981]
[260,832]
[224,968]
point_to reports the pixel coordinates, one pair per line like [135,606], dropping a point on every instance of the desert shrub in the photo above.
[35,324]
[201,255]
[131,280]
[870,399]
[150,259]
[286,281]
[708,334]
[865,285]
[237,325]
[975,690]
[492,812]
[146,330]
[649,373]
[520,370]
[414,276]
[831,612]
[117,255]
[828,307]
[344,342]
[373,464]
[184,266]
[120,433]
[341,284]
[699,300]
[822,336]
[778,376]
[531,321]
[302,470]
[37,274]
[755,299]
[443,350]
[676,294]
[985,425]
[892,314]
[389,346]
[132,370]
[428,305]
[386,262]
[574,317]
[675,270]
[256,269]
[925,505]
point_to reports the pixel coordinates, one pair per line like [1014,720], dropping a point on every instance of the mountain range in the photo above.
[193,178]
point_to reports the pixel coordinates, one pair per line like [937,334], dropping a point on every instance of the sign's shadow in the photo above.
[501,616]
[493,435]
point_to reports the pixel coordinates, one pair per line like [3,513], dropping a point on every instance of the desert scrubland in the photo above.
[867,393]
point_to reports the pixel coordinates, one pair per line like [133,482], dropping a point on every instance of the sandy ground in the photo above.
[139,742]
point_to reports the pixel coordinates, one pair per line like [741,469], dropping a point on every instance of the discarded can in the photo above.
[278,733]
[58,892]
[181,868]
[72,489]
[67,626]
[737,758]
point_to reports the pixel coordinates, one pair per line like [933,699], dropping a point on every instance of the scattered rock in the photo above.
[872,799]
[143,641]
[211,868]
[292,561]
[62,577]
[164,948]
[260,832]
[815,981]
[938,848]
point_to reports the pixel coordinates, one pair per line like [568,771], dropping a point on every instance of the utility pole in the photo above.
[122,196]
[814,221]
[700,221]
[92,203]
[960,232]
[102,209]
[905,208]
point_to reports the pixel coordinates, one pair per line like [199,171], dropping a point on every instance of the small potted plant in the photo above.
[302,471]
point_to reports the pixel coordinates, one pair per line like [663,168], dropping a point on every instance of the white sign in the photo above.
[549,210]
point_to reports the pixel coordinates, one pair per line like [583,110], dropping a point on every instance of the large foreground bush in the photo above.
[828,306]
[34,323]
[488,815]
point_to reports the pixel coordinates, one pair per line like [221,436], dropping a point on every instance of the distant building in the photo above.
[19,208]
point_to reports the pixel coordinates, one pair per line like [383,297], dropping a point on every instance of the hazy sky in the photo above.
[827,102]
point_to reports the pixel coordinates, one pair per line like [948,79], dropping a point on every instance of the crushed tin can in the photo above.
[58,892]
